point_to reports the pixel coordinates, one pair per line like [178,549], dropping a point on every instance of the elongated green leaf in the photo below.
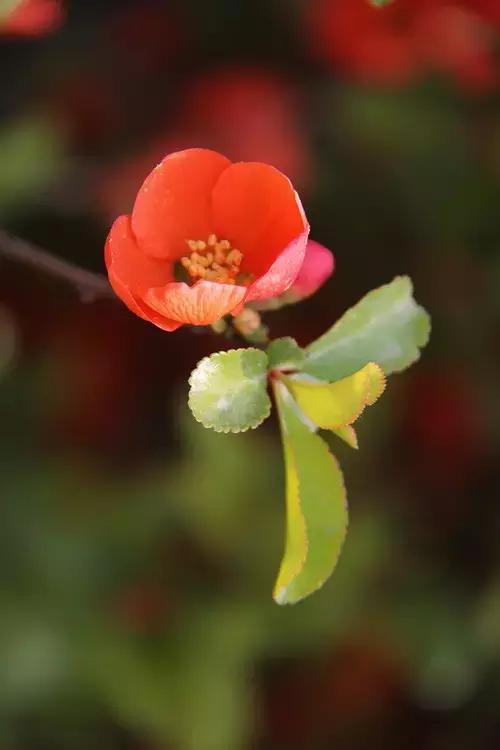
[228,390]
[316,506]
[380,3]
[285,353]
[335,405]
[386,326]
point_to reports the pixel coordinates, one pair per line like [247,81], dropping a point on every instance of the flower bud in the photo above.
[318,266]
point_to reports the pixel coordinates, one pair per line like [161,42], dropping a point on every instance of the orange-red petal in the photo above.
[201,304]
[255,207]
[158,320]
[125,258]
[283,271]
[173,205]
[131,273]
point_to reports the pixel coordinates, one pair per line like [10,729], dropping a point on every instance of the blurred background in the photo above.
[138,550]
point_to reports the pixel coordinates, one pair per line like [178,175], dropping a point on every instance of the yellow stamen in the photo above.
[214,260]
[234,256]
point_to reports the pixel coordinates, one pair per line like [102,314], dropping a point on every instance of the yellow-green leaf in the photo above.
[316,505]
[335,405]
[348,435]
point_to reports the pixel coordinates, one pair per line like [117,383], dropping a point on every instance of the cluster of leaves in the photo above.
[325,386]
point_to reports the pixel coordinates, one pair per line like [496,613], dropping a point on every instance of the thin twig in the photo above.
[90,285]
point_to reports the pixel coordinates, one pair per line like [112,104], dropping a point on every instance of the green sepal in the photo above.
[259,336]
[387,326]
[284,354]
[228,390]
[316,504]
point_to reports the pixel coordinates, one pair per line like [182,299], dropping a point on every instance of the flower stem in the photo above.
[89,285]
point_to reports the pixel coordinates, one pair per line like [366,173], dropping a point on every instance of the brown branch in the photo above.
[90,285]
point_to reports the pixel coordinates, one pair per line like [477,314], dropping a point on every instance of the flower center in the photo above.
[214,260]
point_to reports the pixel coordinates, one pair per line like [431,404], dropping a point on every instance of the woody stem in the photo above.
[90,285]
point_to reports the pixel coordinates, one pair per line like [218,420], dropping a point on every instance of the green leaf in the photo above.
[285,353]
[386,326]
[316,506]
[380,3]
[228,390]
[332,406]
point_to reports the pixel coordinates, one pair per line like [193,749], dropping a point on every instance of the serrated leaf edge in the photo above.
[287,363]
[296,570]
[210,426]
[342,541]
[354,444]
[420,343]
[368,401]
[279,595]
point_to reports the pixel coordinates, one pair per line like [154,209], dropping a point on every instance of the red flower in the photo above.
[407,38]
[265,125]
[33,18]
[238,231]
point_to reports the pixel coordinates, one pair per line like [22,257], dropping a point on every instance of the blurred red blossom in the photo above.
[364,680]
[99,375]
[33,18]
[251,114]
[442,420]
[147,35]
[238,231]
[408,38]
[86,105]
[248,113]
[143,606]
